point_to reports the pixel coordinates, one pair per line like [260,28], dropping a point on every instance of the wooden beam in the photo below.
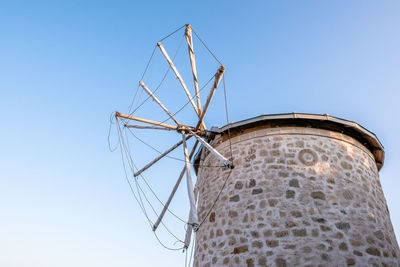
[171,64]
[217,79]
[158,102]
[117,114]
[189,228]
[171,196]
[158,158]
[225,161]
[193,220]
[146,127]
[189,40]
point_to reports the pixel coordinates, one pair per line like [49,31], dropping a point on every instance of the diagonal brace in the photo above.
[217,79]
[193,220]
[171,196]
[158,102]
[159,157]
[171,64]
[226,162]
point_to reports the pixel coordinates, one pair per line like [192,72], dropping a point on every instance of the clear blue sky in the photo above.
[66,65]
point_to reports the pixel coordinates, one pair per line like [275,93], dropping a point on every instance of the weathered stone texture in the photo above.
[296,197]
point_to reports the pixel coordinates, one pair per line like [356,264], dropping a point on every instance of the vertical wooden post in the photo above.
[193,220]
[189,40]
[171,196]
[189,229]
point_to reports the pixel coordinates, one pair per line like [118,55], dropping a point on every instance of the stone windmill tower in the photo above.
[274,190]
[305,191]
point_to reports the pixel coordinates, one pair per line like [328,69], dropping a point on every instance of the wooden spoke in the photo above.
[171,196]
[226,162]
[158,158]
[189,40]
[217,79]
[146,127]
[148,121]
[193,220]
[169,199]
[158,101]
[179,78]
[189,229]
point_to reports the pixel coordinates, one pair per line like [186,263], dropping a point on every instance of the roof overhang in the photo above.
[327,122]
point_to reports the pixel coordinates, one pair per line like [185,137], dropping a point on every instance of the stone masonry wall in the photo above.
[296,197]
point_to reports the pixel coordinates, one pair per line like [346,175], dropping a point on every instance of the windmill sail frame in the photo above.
[186,132]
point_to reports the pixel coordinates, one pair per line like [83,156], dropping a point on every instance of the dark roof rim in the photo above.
[375,146]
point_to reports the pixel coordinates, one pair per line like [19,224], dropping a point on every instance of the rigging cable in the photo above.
[172,33]
[162,80]
[127,179]
[112,115]
[198,37]
[139,187]
[152,147]
[135,167]
[144,73]
[216,199]
[155,195]
[147,65]
[139,199]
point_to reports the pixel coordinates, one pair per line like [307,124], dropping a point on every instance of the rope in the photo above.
[227,118]
[138,198]
[162,80]
[198,37]
[148,63]
[126,176]
[144,73]
[176,216]
[109,133]
[152,147]
[159,241]
[172,33]
[216,199]
[155,195]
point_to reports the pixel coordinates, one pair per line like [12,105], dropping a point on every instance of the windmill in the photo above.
[299,179]
[198,131]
